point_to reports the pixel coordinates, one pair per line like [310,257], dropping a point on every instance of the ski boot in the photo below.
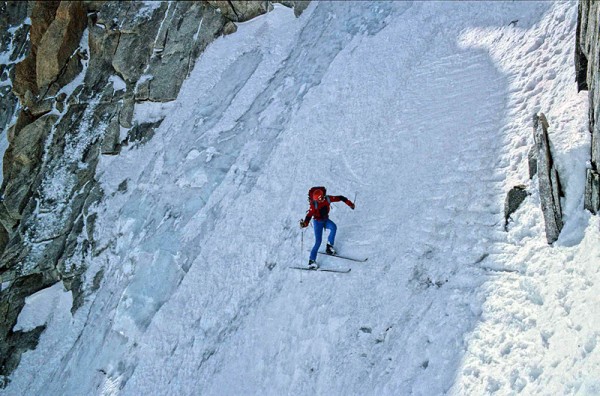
[330,250]
[312,264]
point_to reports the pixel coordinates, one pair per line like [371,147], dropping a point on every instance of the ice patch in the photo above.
[41,307]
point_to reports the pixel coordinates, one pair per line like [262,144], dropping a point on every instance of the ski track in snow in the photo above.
[424,111]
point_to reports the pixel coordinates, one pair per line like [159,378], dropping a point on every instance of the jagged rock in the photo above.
[298,5]
[587,65]
[514,199]
[67,73]
[8,102]
[532,161]
[592,191]
[549,183]
[42,15]
[79,241]
[23,119]
[59,41]
[123,186]
[126,112]
[241,11]
[178,44]
[4,237]
[102,44]
[25,78]
[143,132]
[12,13]
[60,102]
[24,157]
[42,107]
[111,143]
[229,28]
[13,40]
[130,64]
[581,62]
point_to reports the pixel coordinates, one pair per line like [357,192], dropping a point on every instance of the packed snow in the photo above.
[422,113]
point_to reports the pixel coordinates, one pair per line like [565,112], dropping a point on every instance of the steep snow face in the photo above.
[421,113]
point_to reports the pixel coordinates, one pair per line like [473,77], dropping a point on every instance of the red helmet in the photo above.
[317,194]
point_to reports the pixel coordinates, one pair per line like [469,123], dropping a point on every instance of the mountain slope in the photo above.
[422,110]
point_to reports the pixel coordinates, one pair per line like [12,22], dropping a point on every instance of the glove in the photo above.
[303,224]
[351,204]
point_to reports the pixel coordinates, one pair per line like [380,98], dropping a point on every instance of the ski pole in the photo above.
[302,249]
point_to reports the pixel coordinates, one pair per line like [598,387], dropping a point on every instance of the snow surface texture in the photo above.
[423,110]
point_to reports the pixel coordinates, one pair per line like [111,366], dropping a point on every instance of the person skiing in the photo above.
[320,204]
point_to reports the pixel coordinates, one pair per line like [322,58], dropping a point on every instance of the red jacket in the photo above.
[320,209]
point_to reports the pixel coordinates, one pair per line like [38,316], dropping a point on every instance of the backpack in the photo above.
[310,194]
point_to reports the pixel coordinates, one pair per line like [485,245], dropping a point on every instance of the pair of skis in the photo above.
[341,271]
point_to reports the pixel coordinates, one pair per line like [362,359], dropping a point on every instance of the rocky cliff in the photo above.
[72,74]
[587,64]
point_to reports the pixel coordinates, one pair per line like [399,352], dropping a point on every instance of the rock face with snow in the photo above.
[78,78]
[14,46]
[587,64]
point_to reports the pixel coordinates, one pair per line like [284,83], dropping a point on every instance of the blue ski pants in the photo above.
[319,225]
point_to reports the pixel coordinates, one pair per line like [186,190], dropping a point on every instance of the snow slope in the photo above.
[421,112]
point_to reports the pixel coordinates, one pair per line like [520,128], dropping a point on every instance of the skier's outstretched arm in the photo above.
[337,198]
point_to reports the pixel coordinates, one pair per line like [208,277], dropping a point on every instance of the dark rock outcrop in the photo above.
[592,191]
[532,162]
[587,64]
[25,83]
[244,10]
[514,199]
[549,182]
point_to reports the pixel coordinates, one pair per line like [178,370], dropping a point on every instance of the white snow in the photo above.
[144,78]
[117,83]
[423,112]
[41,307]
[151,111]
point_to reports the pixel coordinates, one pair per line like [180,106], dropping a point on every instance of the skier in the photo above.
[319,209]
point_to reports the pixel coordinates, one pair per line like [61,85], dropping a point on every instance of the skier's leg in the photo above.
[332,230]
[318,225]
